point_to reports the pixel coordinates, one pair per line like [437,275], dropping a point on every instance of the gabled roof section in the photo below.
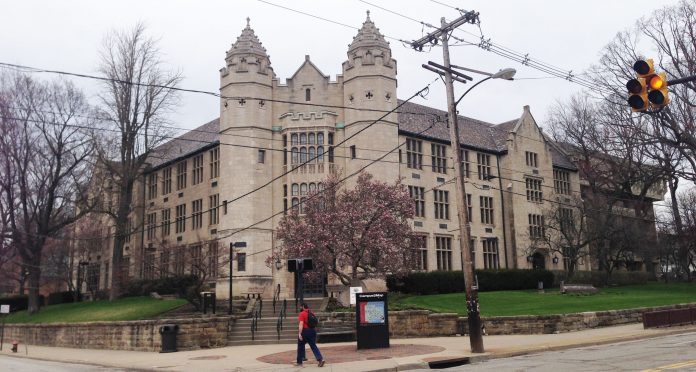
[207,135]
[308,62]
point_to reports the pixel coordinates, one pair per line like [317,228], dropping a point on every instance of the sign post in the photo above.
[4,309]
[372,320]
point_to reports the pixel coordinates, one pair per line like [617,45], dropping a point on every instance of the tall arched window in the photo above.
[312,155]
[320,138]
[320,186]
[295,155]
[303,189]
[294,140]
[303,155]
[308,94]
[295,189]
[310,138]
[320,154]
[303,138]
[312,187]
[302,205]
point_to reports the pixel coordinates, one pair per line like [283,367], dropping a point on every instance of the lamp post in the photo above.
[474,317]
[233,245]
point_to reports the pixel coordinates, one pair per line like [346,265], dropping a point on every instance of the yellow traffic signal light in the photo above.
[638,95]
[658,93]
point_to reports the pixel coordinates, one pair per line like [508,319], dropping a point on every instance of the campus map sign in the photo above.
[372,320]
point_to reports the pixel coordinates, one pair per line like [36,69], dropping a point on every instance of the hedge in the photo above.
[599,278]
[64,297]
[453,281]
[19,302]
[173,285]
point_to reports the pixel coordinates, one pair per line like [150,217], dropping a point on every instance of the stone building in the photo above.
[231,180]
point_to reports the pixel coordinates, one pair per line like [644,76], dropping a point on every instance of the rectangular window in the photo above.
[129,229]
[490,254]
[166,221]
[567,222]
[167,180]
[484,166]
[331,153]
[531,159]
[197,214]
[214,210]
[213,260]
[197,174]
[443,252]
[469,208]
[179,260]
[241,261]
[421,252]
[181,175]
[561,181]
[152,186]
[151,225]
[486,203]
[214,162]
[149,265]
[414,153]
[164,263]
[465,163]
[439,158]
[353,152]
[261,156]
[441,204]
[418,196]
[93,276]
[536,226]
[534,193]
[125,268]
[196,252]
[180,218]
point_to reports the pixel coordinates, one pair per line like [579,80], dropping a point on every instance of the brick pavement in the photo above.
[349,353]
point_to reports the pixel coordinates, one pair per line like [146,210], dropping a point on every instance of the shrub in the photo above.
[453,281]
[172,285]
[64,297]
[599,278]
[19,302]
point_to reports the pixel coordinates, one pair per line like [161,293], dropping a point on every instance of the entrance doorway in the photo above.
[314,285]
[538,261]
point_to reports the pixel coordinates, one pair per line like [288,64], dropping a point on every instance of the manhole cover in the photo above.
[208,357]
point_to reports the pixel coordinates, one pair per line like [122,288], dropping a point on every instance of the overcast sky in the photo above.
[194,35]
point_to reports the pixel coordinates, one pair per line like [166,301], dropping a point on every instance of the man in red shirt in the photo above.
[307,334]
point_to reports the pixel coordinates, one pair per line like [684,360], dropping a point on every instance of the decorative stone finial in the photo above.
[368,14]
[248,19]
[247,43]
[368,36]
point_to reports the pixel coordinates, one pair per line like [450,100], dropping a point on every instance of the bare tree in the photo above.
[136,98]
[45,154]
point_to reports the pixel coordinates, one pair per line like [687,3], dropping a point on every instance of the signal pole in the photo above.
[474,317]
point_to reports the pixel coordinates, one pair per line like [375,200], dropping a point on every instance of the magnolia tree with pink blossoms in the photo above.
[355,234]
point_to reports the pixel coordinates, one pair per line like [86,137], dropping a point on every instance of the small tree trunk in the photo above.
[34,282]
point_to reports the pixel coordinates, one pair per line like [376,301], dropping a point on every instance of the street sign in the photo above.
[4,309]
[353,291]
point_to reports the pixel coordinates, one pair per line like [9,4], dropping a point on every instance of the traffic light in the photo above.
[658,92]
[638,95]
[648,89]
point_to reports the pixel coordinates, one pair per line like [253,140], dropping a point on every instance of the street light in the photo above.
[233,245]
[473,312]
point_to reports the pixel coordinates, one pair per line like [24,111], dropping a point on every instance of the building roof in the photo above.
[368,36]
[206,135]
[247,43]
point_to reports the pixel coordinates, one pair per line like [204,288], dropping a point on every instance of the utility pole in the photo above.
[474,318]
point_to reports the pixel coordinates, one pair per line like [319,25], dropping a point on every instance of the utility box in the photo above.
[168,333]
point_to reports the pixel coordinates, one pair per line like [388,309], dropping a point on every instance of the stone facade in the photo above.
[141,335]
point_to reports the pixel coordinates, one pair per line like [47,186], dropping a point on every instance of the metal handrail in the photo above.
[283,314]
[276,297]
[255,316]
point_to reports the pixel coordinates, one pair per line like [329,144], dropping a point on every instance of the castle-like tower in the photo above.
[269,130]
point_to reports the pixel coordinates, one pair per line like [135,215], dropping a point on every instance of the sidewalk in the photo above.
[346,358]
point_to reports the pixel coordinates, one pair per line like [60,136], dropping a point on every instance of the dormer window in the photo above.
[308,94]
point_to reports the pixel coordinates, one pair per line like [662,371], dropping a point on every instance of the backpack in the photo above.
[312,320]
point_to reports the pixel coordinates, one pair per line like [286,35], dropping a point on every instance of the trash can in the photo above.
[168,333]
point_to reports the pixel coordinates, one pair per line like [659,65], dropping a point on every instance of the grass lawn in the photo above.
[130,308]
[530,302]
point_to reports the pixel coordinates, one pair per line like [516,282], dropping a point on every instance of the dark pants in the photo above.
[309,336]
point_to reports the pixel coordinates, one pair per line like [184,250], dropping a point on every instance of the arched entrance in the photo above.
[538,261]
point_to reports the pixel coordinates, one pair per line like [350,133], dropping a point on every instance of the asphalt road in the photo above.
[12,364]
[670,353]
